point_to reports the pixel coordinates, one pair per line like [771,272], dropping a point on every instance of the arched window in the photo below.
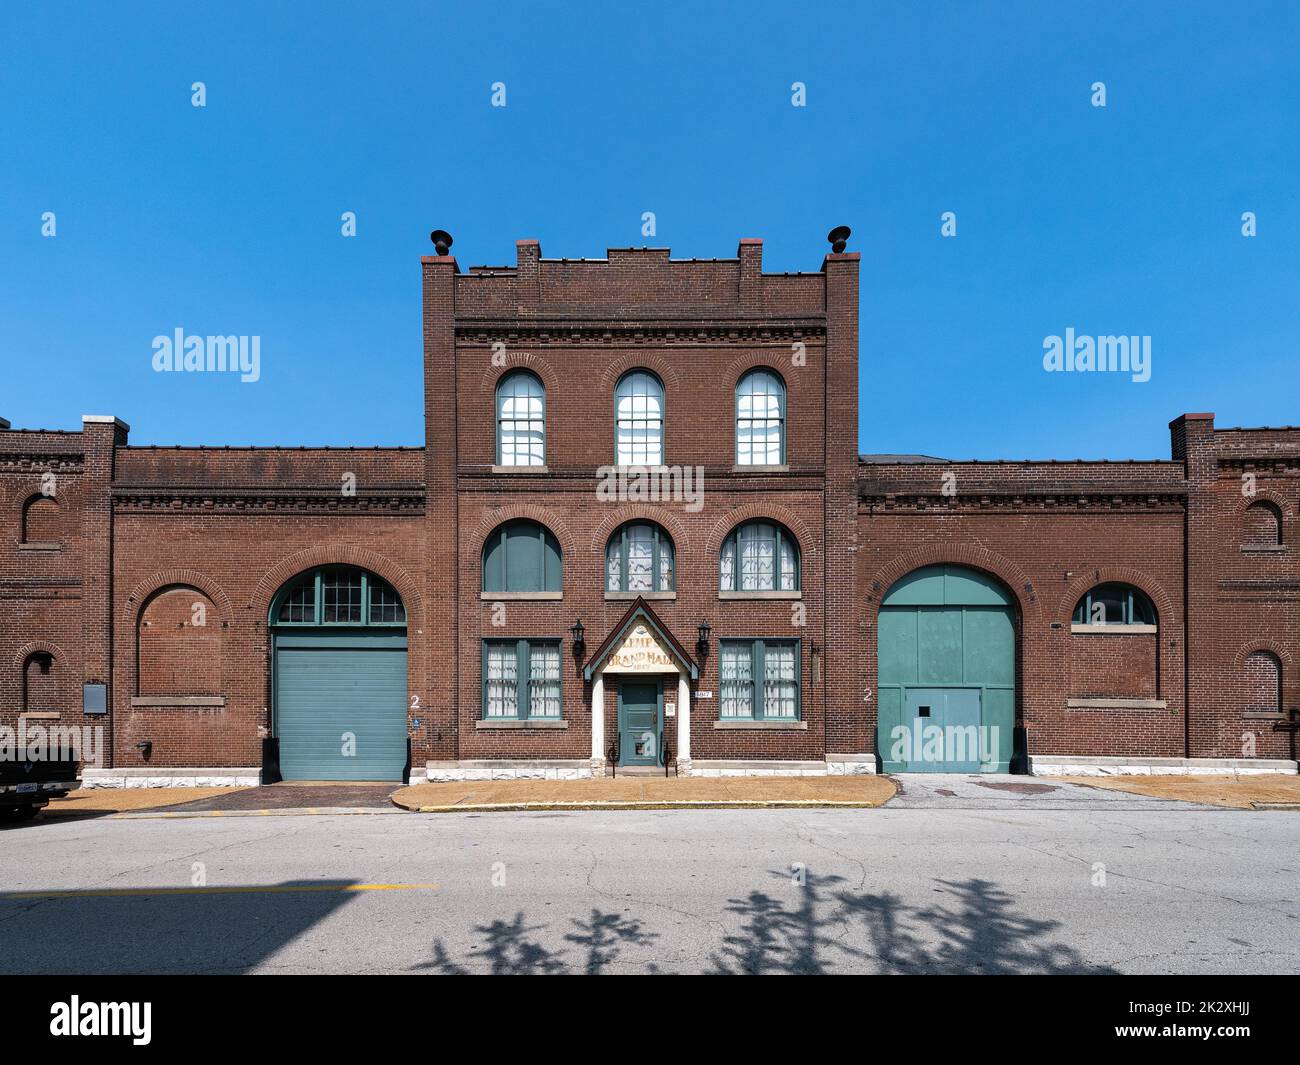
[639,420]
[760,556]
[1263,683]
[521,420]
[639,558]
[41,524]
[1263,525]
[179,644]
[760,419]
[338,595]
[1114,604]
[40,685]
[521,556]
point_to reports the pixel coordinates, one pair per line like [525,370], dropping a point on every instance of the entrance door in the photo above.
[639,723]
[943,731]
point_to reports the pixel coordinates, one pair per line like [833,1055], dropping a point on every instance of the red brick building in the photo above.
[639,532]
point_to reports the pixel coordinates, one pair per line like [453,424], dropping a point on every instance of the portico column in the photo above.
[683,719]
[598,717]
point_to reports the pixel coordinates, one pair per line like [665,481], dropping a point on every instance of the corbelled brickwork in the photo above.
[152,570]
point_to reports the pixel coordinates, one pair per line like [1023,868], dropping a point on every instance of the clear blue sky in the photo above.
[225,219]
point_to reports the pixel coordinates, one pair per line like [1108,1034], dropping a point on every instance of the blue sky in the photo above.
[225,219]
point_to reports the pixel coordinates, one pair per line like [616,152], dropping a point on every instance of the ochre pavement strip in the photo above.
[1240,793]
[648,793]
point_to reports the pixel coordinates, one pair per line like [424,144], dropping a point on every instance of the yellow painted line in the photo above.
[255,889]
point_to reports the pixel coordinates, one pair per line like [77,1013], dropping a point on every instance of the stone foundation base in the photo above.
[179,777]
[523,769]
[1059,765]
[725,768]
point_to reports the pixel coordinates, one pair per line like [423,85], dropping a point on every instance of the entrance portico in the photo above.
[644,675]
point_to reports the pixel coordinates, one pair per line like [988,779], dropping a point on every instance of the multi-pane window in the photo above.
[521,420]
[760,556]
[639,558]
[759,679]
[521,679]
[339,596]
[1114,604]
[760,419]
[521,556]
[639,420]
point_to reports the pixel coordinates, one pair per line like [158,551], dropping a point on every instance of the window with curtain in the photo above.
[759,679]
[521,420]
[639,420]
[639,558]
[521,679]
[760,556]
[760,419]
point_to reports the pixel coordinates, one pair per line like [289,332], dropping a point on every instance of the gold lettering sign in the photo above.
[640,652]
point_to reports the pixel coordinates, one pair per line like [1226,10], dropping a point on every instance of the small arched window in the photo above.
[760,556]
[1114,604]
[40,685]
[41,521]
[1263,524]
[521,556]
[760,419]
[521,420]
[1263,683]
[639,420]
[639,558]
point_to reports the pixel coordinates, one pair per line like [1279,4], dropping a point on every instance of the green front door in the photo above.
[340,705]
[639,722]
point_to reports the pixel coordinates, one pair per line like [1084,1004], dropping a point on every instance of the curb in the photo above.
[647,804]
[291,811]
[1275,805]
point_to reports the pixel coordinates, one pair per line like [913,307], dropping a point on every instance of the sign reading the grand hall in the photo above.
[640,652]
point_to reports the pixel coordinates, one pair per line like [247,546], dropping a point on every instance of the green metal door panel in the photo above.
[999,718]
[919,748]
[966,587]
[897,648]
[889,715]
[964,744]
[340,711]
[939,642]
[990,646]
[924,587]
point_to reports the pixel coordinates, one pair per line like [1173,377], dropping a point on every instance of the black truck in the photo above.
[29,781]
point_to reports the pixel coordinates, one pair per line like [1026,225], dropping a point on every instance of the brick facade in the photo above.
[152,570]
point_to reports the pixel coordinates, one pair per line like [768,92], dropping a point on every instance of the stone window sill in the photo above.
[521,469]
[1120,703]
[782,468]
[521,723]
[39,715]
[1262,549]
[146,701]
[745,724]
[40,545]
[1264,715]
[760,595]
[520,597]
[629,596]
[1112,630]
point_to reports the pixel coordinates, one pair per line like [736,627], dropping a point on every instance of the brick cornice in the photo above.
[908,502]
[586,332]
[404,499]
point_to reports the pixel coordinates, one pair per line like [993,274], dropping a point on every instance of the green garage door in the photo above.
[947,663]
[340,705]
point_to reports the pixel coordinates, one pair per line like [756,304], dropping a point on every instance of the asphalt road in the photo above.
[1083,889]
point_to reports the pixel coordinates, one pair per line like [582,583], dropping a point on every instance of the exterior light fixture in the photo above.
[702,644]
[578,631]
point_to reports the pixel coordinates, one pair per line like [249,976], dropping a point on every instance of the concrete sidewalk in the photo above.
[648,793]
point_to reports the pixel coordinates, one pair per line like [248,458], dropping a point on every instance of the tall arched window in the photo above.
[639,558]
[521,556]
[639,420]
[1114,604]
[760,556]
[760,419]
[521,420]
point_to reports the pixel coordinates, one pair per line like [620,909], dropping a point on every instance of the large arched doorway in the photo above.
[339,676]
[947,673]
